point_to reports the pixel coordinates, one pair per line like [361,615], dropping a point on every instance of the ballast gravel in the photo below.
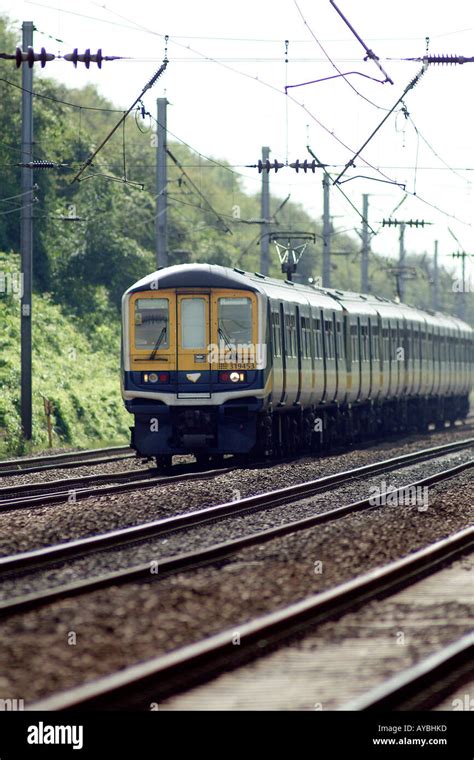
[25,529]
[73,641]
[226,529]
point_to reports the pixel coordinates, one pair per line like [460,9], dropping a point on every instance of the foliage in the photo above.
[78,372]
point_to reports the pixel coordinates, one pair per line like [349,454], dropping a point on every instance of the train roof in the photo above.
[189,275]
[217,276]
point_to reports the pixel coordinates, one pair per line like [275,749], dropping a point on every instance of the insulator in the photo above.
[268,166]
[445,59]
[87,58]
[31,57]
[39,165]
[72,57]
[311,165]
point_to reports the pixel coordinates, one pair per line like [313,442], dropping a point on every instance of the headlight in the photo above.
[232,377]
[154,377]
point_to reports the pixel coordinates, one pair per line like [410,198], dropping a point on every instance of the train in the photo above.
[217,361]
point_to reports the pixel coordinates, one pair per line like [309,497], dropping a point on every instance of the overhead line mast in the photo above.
[26,236]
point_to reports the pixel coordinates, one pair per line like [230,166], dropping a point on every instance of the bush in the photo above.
[75,365]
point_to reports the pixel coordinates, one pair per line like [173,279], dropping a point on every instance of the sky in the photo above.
[225,84]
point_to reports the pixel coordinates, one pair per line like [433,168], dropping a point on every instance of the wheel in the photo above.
[164,462]
[202,460]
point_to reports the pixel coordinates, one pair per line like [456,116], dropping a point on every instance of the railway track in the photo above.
[65,489]
[70,460]
[27,465]
[424,685]
[42,558]
[75,489]
[167,675]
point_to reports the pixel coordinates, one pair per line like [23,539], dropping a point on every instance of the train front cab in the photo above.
[195,376]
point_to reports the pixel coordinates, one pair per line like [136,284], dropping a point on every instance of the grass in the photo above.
[74,367]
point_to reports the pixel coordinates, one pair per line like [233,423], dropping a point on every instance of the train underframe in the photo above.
[245,428]
[332,425]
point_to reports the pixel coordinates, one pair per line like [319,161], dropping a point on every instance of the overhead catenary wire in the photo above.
[266,84]
[259,81]
[18,195]
[133,26]
[229,168]
[435,153]
[198,191]
[19,208]
[43,96]
[256,79]
[333,64]
[407,89]
[149,84]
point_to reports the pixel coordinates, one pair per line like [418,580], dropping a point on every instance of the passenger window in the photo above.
[386,344]
[354,343]
[339,340]
[306,337]
[375,342]
[276,334]
[318,340]
[329,339]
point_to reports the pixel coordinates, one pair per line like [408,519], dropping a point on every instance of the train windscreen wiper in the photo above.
[158,343]
[224,337]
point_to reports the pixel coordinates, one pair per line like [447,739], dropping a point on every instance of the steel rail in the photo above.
[47,458]
[413,688]
[180,562]
[81,480]
[12,467]
[166,675]
[44,487]
[79,547]
[132,483]
[128,454]
[44,498]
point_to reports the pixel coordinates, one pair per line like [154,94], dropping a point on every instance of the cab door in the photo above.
[193,343]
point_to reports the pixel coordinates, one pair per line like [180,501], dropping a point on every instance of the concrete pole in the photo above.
[401,263]
[26,234]
[326,235]
[364,274]
[161,186]
[265,209]
[435,278]
[462,305]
